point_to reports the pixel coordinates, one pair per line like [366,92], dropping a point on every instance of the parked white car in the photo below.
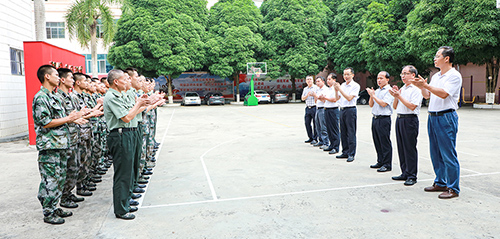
[191,98]
[262,96]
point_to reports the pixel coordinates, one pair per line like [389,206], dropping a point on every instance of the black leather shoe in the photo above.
[139,190]
[333,151]
[328,149]
[133,209]
[133,202]
[399,178]
[153,160]
[74,198]
[141,186]
[314,142]
[90,188]
[83,192]
[91,184]
[377,165]
[59,212]
[410,182]
[350,159]
[342,156]
[318,145]
[136,196]
[126,216]
[145,177]
[147,173]
[308,141]
[383,169]
[96,180]
[68,204]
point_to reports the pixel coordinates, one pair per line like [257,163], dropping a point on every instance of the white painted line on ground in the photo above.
[476,172]
[300,192]
[462,152]
[210,185]
[157,154]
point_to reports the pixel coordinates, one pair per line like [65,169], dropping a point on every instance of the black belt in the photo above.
[319,108]
[121,130]
[380,116]
[311,106]
[406,115]
[347,107]
[440,113]
[331,108]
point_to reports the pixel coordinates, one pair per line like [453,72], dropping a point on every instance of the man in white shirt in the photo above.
[349,91]
[407,103]
[308,97]
[323,141]
[380,101]
[442,126]
[332,114]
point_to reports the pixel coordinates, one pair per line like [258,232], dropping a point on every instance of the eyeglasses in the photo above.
[405,74]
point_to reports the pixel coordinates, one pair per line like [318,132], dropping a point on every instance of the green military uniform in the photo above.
[122,140]
[52,145]
[73,164]
[131,94]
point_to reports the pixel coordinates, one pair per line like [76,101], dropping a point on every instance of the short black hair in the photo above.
[386,74]
[130,70]
[332,75]
[350,68]
[411,69]
[63,72]
[113,75]
[448,52]
[104,79]
[43,70]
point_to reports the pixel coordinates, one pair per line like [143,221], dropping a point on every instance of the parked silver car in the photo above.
[191,98]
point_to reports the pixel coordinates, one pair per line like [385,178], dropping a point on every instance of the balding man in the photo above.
[122,139]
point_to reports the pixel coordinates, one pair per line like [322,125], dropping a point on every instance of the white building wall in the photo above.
[16,26]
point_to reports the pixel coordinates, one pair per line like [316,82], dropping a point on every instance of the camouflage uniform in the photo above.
[94,140]
[52,144]
[73,163]
[83,143]
[150,137]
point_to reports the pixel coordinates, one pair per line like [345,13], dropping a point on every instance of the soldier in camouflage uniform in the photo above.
[52,141]
[74,160]
[91,102]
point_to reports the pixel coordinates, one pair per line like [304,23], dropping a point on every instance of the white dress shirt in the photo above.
[350,89]
[451,82]
[412,94]
[330,93]
[385,96]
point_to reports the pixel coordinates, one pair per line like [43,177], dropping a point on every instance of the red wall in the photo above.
[39,53]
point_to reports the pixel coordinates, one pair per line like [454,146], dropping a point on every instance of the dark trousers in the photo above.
[406,136]
[310,118]
[123,148]
[348,124]
[381,133]
[137,157]
[332,127]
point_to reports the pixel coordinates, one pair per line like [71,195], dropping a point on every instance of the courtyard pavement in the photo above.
[245,172]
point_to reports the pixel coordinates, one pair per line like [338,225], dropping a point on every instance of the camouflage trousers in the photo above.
[145,133]
[150,142]
[85,161]
[72,170]
[52,167]
[103,143]
[96,146]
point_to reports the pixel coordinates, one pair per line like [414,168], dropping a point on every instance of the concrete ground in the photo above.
[245,172]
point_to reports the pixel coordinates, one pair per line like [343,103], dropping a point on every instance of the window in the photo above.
[100,29]
[16,61]
[103,65]
[55,30]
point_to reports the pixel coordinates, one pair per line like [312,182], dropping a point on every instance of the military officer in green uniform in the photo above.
[122,140]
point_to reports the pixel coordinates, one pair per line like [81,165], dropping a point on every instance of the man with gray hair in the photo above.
[121,139]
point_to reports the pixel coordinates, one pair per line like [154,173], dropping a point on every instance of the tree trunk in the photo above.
[236,80]
[40,32]
[93,48]
[169,86]
[492,69]
[294,88]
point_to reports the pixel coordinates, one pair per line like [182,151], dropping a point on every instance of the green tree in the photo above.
[161,37]
[295,34]
[82,19]
[382,39]
[233,37]
[344,46]
[471,27]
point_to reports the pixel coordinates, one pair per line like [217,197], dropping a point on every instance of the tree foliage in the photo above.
[295,35]
[233,37]
[471,27]
[161,37]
